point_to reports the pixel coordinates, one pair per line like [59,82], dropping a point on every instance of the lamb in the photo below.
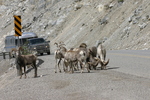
[101,52]
[23,60]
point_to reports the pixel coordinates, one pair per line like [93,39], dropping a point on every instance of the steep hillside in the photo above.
[122,25]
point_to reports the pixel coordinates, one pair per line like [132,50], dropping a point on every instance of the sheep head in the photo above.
[104,64]
[59,45]
[83,45]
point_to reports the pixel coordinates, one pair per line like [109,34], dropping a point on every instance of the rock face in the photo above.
[121,25]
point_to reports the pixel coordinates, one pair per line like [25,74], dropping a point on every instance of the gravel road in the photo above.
[111,84]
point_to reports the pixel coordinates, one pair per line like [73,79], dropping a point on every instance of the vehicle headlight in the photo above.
[46,46]
[34,48]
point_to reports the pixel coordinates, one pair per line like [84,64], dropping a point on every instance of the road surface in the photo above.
[134,62]
[127,78]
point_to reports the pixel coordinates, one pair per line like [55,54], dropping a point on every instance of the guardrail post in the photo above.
[9,55]
[18,70]
[4,56]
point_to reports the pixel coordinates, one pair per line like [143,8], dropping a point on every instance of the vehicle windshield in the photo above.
[36,41]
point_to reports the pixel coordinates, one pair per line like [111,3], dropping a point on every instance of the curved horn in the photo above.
[62,45]
[101,62]
[13,49]
[105,63]
[20,50]
[56,44]
[61,42]
[97,58]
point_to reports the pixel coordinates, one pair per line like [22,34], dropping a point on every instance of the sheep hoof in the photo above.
[35,76]
[71,72]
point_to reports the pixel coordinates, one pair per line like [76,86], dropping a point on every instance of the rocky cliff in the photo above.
[120,24]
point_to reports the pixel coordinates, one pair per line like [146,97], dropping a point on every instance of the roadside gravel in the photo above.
[97,85]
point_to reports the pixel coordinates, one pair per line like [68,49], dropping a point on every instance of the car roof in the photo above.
[35,38]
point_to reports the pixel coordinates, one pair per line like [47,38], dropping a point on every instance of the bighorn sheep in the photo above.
[59,54]
[77,55]
[23,60]
[73,56]
[101,52]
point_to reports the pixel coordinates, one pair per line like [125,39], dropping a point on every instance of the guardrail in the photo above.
[4,54]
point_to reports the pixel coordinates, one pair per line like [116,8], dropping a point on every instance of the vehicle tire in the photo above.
[41,53]
[48,53]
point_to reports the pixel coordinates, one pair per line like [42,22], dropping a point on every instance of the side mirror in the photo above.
[48,41]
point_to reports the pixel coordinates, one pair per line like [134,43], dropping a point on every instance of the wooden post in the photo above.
[9,55]
[18,70]
[4,56]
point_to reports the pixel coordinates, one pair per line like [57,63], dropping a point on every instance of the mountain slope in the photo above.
[121,25]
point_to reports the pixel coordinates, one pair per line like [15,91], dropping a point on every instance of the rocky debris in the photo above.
[77,6]
[103,21]
[77,0]
[57,20]
[142,26]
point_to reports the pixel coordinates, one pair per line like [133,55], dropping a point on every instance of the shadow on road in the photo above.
[40,61]
[99,68]
[112,68]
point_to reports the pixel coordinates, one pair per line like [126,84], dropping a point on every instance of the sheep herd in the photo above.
[80,58]
[73,59]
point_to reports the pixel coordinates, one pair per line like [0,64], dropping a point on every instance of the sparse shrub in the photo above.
[25,50]
[77,0]
[120,1]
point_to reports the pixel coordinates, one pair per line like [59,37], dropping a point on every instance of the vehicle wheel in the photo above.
[48,53]
[41,53]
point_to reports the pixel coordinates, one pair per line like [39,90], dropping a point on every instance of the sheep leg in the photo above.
[88,67]
[71,67]
[25,71]
[20,71]
[35,67]
[59,66]
[65,66]
[56,67]
[82,67]
[76,67]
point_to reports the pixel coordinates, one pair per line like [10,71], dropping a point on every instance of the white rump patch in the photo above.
[81,52]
